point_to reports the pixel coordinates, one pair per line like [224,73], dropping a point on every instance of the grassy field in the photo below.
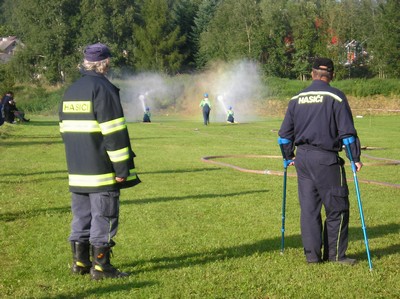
[193,229]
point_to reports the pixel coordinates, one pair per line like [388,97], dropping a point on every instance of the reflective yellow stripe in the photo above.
[327,93]
[88,126]
[341,176]
[338,239]
[113,126]
[98,268]
[97,180]
[132,175]
[91,180]
[119,155]
[80,264]
[77,107]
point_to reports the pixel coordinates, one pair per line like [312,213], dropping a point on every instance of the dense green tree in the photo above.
[231,34]
[110,22]
[385,43]
[181,35]
[278,44]
[305,36]
[48,29]
[157,40]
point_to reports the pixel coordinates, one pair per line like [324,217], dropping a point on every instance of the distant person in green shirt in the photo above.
[206,106]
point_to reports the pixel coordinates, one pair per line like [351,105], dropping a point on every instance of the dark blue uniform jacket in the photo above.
[319,117]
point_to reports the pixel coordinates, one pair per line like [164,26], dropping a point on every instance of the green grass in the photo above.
[192,229]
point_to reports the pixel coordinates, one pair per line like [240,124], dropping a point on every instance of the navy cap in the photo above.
[324,64]
[97,52]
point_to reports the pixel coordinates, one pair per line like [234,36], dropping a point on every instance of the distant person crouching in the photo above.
[147,115]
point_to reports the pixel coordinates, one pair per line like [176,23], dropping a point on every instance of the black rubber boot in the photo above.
[101,266]
[81,258]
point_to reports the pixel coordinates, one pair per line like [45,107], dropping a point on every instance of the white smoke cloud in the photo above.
[238,85]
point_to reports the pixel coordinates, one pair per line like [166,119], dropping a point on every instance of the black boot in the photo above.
[101,266]
[81,258]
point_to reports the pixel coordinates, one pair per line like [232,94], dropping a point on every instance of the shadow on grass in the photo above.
[245,250]
[38,123]
[221,254]
[380,252]
[17,178]
[100,290]
[8,217]
[44,172]
[134,139]
[177,198]
[56,140]
[179,171]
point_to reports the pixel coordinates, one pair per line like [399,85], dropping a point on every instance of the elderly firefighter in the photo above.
[100,162]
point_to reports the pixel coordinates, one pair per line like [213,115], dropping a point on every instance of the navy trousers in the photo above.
[95,218]
[206,114]
[322,182]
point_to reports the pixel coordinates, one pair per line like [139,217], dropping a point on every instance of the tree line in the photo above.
[181,36]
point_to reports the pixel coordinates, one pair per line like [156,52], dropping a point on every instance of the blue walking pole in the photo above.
[347,142]
[281,142]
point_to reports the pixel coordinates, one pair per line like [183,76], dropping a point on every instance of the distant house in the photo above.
[8,47]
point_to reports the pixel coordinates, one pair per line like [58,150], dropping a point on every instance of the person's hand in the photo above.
[120,180]
[358,165]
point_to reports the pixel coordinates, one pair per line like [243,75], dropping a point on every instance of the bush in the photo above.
[38,99]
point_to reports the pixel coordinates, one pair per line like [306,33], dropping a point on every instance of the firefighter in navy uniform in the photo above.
[100,162]
[316,121]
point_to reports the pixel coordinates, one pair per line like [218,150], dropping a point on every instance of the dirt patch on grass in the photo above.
[375,105]
[372,105]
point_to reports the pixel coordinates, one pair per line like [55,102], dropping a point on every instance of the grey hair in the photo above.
[318,74]
[100,67]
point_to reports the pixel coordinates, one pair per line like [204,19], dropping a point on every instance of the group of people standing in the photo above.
[205,105]
[100,163]
[8,110]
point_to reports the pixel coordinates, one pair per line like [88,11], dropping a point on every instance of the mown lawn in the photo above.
[194,229]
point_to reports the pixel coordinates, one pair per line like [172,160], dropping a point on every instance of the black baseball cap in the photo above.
[96,52]
[324,64]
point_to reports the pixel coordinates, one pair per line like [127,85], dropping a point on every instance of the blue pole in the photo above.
[347,142]
[281,142]
[283,210]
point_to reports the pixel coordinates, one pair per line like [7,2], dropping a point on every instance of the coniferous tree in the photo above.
[184,13]
[157,40]
[203,17]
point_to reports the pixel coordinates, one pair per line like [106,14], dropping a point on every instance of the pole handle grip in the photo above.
[349,140]
[283,141]
[286,163]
